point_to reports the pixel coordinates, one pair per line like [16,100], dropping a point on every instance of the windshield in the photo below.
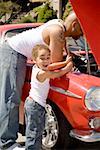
[13,32]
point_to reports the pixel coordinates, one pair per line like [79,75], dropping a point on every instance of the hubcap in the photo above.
[50,134]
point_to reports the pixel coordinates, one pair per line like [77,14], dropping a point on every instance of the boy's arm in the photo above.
[58,65]
[61,72]
[43,75]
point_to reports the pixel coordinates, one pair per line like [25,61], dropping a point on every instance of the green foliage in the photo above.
[8,7]
[36,9]
[44,13]
[41,13]
[67,10]
[4,7]
[27,19]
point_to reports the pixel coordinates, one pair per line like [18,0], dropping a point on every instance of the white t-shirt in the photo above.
[39,90]
[25,41]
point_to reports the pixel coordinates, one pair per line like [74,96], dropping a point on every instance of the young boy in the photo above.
[36,101]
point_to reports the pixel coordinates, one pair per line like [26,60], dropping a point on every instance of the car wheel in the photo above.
[56,133]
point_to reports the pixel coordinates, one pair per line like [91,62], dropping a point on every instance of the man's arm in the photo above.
[57,42]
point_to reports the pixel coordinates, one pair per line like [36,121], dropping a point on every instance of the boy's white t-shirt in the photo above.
[39,90]
[25,41]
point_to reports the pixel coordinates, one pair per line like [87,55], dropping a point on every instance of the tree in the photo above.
[44,13]
[10,8]
[68,8]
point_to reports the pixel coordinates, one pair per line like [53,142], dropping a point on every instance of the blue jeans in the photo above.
[12,75]
[35,123]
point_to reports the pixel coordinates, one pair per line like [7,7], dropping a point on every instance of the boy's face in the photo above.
[43,59]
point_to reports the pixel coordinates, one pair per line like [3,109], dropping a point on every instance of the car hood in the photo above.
[88,13]
[77,79]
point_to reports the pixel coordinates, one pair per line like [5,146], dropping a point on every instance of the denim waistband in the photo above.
[19,55]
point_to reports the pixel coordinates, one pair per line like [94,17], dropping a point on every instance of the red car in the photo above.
[73,105]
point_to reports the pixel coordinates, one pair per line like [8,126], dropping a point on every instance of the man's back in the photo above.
[25,41]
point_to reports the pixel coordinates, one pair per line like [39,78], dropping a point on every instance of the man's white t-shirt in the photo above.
[25,41]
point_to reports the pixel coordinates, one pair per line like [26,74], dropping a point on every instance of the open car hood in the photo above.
[88,13]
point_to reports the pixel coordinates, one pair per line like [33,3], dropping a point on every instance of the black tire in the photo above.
[64,128]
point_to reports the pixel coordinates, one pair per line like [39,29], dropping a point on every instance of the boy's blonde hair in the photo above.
[38,48]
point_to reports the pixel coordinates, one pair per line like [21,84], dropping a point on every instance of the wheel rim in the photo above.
[50,134]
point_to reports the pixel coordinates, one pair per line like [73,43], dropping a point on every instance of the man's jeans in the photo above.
[35,122]
[12,75]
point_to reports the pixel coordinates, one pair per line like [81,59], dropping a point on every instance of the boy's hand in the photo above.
[68,59]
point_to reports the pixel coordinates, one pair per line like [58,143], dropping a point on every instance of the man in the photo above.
[13,56]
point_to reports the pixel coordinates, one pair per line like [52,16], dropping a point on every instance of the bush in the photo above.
[67,10]
[44,13]
[27,19]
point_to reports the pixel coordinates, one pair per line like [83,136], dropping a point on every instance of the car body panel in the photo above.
[90,21]
[73,107]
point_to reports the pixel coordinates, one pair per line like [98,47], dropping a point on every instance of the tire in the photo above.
[56,133]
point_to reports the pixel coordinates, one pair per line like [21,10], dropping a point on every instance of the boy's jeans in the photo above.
[35,122]
[12,75]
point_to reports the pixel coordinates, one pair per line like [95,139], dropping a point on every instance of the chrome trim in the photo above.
[91,104]
[94,123]
[91,136]
[51,130]
[65,92]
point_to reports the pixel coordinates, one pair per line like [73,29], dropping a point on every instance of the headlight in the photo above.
[92,99]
